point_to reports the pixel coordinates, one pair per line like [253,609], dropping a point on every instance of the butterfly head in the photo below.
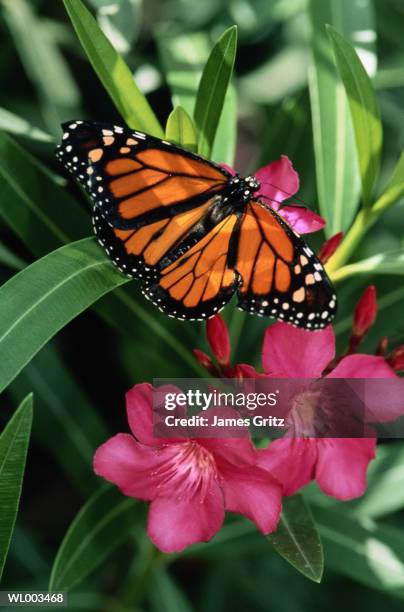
[244,187]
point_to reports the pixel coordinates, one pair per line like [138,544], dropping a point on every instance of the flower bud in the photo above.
[205,361]
[243,370]
[396,359]
[365,312]
[382,346]
[218,338]
[329,247]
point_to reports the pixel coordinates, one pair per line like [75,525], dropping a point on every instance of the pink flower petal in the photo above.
[382,402]
[254,493]
[174,524]
[362,366]
[279,181]
[139,407]
[291,461]
[302,220]
[229,169]
[237,452]
[139,401]
[128,464]
[291,352]
[342,464]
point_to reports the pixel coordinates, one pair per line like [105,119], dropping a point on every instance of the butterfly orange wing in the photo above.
[280,275]
[200,282]
[138,252]
[135,179]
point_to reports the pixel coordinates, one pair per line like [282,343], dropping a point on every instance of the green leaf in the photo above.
[10,122]
[44,64]
[385,492]
[364,110]
[337,171]
[180,129]
[382,263]
[120,20]
[67,425]
[297,540]
[394,189]
[183,58]
[112,71]
[212,89]
[9,259]
[38,301]
[13,452]
[224,146]
[41,213]
[287,68]
[361,549]
[102,524]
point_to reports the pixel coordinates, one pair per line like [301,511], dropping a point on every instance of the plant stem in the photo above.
[146,560]
[363,222]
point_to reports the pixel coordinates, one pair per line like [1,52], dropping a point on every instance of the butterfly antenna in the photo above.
[290,195]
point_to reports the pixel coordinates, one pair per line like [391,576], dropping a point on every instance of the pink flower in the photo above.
[189,482]
[279,181]
[337,464]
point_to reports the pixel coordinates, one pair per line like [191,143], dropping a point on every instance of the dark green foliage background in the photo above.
[80,377]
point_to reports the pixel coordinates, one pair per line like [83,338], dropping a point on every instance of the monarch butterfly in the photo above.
[192,232]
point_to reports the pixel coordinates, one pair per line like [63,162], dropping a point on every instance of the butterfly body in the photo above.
[191,231]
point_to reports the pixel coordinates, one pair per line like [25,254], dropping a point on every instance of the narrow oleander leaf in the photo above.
[224,146]
[112,71]
[180,129]
[383,263]
[102,524]
[13,452]
[297,540]
[364,110]
[385,492]
[10,122]
[394,189]
[212,89]
[182,58]
[120,21]
[287,68]
[44,64]
[66,424]
[337,168]
[369,553]
[9,259]
[33,205]
[41,299]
